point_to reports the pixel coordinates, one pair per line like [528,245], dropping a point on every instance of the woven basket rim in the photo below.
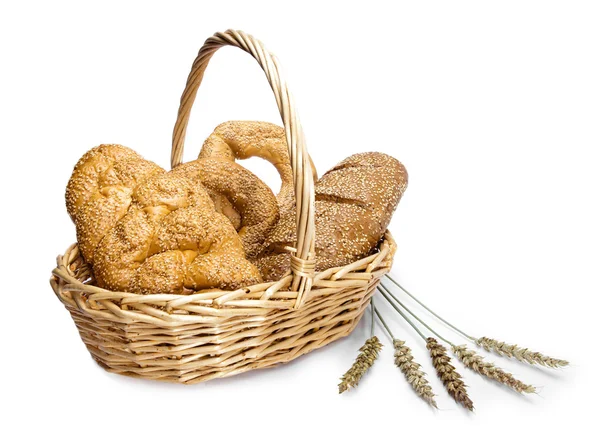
[71,272]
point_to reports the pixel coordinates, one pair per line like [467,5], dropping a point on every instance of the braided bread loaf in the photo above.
[99,191]
[145,230]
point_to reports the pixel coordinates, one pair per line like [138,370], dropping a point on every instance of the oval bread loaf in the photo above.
[353,206]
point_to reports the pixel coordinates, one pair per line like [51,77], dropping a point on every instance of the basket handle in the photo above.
[303,256]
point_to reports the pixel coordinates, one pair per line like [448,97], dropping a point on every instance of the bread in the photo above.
[239,140]
[145,230]
[212,223]
[354,203]
[242,194]
[172,238]
[99,191]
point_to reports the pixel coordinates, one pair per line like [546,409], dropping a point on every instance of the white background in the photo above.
[493,107]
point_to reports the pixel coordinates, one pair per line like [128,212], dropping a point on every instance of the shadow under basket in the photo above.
[214,333]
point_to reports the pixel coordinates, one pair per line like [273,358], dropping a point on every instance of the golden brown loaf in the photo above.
[99,191]
[172,238]
[145,230]
[353,206]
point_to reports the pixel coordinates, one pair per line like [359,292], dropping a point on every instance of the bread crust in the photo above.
[354,203]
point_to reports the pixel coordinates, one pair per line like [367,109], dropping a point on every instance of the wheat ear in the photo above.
[441,362]
[521,354]
[447,373]
[475,362]
[368,354]
[412,371]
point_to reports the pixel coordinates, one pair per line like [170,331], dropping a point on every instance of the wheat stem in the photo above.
[521,354]
[447,373]
[475,362]
[403,315]
[384,324]
[372,317]
[502,348]
[471,338]
[413,315]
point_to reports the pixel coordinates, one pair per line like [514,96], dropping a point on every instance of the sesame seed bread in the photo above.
[249,197]
[145,230]
[239,140]
[99,191]
[353,206]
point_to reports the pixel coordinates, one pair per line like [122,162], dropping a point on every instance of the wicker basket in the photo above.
[215,333]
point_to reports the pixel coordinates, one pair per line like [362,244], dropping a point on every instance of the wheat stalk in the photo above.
[368,354]
[447,373]
[521,354]
[475,362]
[412,371]
[502,348]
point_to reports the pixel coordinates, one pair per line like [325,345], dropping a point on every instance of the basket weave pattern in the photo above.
[215,333]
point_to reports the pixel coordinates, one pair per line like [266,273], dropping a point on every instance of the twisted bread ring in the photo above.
[239,140]
[244,191]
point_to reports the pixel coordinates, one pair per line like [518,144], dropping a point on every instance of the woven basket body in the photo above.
[215,333]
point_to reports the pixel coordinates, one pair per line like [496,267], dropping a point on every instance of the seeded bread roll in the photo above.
[353,206]
[99,191]
[172,238]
